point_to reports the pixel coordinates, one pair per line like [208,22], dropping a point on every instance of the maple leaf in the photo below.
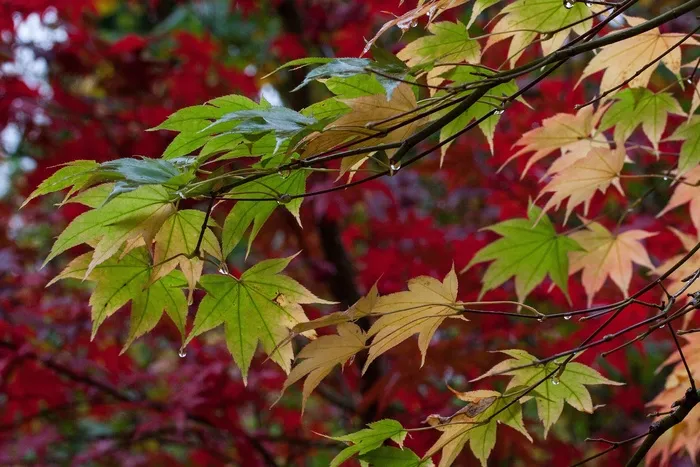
[256,212]
[463,75]
[570,133]
[129,218]
[675,281]
[695,102]
[689,133]
[194,123]
[448,43]
[430,8]
[419,310]
[363,307]
[365,110]
[683,435]
[389,456]
[639,106]
[388,74]
[525,20]
[599,169]
[622,60]
[566,386]
[318,357]
[118,281]
[686,193]
[477,425]
[369,439]
[175,243]
[529,250]
[282,122]
[262,305]
[607,255]
[75,174]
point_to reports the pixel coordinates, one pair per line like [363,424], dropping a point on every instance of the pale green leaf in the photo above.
[569,386]
[369,439]
[527,252]
[245,213]
[262,306]
[389,456]
[689,133]
[75,175]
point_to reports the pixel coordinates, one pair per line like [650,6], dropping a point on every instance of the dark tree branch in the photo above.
[658,428]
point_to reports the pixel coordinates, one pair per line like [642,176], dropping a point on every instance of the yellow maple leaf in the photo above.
[570,133]
[686,193]
[355,125]
[599,169]
[362,307]
[607,255]
[622,60]
[419,310]
[317,359]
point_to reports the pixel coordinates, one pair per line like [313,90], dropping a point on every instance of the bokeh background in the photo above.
[84,79]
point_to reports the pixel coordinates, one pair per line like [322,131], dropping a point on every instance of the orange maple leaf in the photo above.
[686,193]
[607,255]
[599,169]
[622,60]
[570,133]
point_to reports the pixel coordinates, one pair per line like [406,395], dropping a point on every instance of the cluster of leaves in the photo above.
[153,245]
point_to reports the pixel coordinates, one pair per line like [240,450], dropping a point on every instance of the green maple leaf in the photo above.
[354,86]
[369,439]
[448,42]
[118,281]
[194,124]
[343,68]
[689,133]
[254,212]
[125,219]
[524,20]
[389,456]
[476,424]
[569,386]
[639,106]
[464,75]
[75,174]
[262,305]
[528,252]
[327,109]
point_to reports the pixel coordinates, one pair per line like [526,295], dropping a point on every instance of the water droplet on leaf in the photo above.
[569,4]
[284,198]
[283,173]
[555,380]
[393,168]
[567,317]
[182,353]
